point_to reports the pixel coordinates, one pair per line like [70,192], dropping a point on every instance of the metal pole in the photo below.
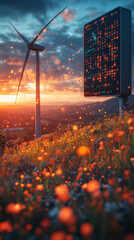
[122,105]
[37,114]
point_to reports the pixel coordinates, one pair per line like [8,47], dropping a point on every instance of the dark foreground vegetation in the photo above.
[78,184]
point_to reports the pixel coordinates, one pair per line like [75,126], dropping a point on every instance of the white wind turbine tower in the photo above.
[37,48]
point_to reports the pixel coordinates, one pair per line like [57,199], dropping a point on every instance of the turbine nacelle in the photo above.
[36,47]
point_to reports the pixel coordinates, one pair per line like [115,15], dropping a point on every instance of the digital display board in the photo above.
[107,54]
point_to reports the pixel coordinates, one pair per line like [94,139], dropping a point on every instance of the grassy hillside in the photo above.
[78,184]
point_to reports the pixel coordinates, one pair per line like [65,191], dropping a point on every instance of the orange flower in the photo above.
[45,223]
[82,151]
[101,144]
[60,235]
[62,193]
[110,135]
[47,174]
[42,150]
[16,183]
[28,227]
[22,176]
[125,196]
[39,198]
[26,193]
[67,216]
[69,237]
[15,208]
[75,128]
[6,226]
[130,120]
[86,230]
[39,187]
[84,186]
[44,171]
[123,147]
[30,208]
[58,172]
[40,158]
[38,230]
[52,175]
[126,173]
[119,133]
[29,185]
[93,185]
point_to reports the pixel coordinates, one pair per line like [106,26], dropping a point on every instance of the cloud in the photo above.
[68,15]
[130,5]
[92,14]
[13,8]
[55,65]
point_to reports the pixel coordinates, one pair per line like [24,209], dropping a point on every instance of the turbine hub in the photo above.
[36,47]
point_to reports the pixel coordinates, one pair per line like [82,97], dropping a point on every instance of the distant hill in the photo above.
[110,106]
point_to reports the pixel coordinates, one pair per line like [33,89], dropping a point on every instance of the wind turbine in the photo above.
[37,48]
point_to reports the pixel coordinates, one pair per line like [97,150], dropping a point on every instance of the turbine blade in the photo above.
[24,65]
[20,35]
[46,26]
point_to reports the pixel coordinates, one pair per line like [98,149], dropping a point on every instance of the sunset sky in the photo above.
[61,65]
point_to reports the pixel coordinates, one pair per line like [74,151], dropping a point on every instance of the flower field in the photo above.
[78,184]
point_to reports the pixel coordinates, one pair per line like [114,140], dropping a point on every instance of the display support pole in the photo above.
[122,105]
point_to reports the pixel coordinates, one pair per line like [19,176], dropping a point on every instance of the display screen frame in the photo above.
[102,54]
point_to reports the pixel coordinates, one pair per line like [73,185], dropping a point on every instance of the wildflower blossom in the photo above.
[62,193]
[75,128]
[39,187]
[82,151]
[60,235]
[86,230]
[66,216]
[58,172]
[93,185]
[14,208]
[5,226]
